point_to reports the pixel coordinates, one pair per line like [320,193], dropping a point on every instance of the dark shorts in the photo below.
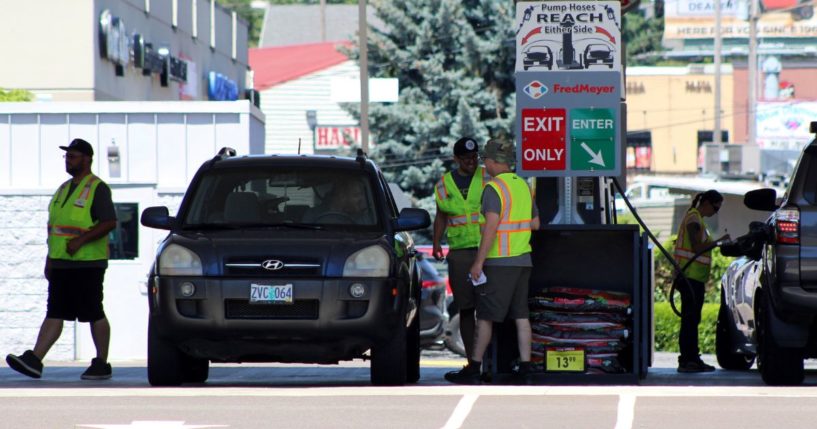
[459,264]
[505,294]
[76,294]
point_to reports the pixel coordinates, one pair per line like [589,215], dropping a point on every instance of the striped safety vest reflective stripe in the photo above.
[514,229]
[464,218]
[67,220]
[699,268]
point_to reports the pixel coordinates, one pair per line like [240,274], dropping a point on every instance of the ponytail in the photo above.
[696,201]
[711,195]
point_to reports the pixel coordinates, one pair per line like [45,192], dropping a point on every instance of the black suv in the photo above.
[769,295]
[285,259]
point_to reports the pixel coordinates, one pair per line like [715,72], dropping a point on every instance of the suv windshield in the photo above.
[282,197]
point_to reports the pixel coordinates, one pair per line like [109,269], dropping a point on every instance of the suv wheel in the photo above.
[453,338]
[413,350]
[727,358]
[389,367]
[164,359]
[195,370]
[779,366]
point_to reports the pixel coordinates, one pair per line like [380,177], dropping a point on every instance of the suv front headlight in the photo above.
[176,260]
[372,261]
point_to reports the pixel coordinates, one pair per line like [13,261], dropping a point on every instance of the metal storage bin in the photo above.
[614,258]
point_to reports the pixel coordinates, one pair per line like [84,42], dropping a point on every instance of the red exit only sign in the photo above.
[543,139]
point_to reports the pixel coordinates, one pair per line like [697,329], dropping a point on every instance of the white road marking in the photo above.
[626,411]
[151,424]
[461,412]
[358,391]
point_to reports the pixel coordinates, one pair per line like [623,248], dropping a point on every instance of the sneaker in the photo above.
[469,374]
[27,364]
[694,365]
[97,371]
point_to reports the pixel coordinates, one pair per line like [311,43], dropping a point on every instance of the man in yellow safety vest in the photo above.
[80,215]
[458,194]
[502,267]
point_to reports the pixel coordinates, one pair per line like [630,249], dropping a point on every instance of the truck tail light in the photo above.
[787,224]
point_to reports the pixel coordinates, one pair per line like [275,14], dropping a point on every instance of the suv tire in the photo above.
[779,366]
[389,366]
[413,351]
[195,370]
[164,359]
[727,358]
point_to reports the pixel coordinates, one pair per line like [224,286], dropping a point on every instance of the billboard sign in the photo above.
[695,19]
[560,35]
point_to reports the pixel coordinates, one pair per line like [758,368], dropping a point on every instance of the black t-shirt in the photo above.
[102,208]
[462,182]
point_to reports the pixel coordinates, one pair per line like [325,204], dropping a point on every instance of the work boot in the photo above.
[98,370]
[524,373]
[693,365]
[27,364]
[469,374]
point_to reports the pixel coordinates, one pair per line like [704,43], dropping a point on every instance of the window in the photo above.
[265,196]
[123,241]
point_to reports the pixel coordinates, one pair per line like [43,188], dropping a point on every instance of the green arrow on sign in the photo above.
[592,139]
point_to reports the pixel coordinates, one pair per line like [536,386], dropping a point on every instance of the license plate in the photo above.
[270,294]
[564,360]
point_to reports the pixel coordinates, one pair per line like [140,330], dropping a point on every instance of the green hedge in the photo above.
[667,325]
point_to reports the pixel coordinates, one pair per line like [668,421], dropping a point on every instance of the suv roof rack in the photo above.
[223,153]
[361,157]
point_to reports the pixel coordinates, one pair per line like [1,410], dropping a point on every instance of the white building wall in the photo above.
[162,145]
[285,107]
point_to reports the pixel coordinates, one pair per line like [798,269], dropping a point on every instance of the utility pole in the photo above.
[752,108]
[716,132]
[323,20]
[364,76]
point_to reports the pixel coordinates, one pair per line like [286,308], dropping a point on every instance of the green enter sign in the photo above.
[592,139]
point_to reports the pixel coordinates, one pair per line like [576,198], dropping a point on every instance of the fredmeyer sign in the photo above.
[568,88]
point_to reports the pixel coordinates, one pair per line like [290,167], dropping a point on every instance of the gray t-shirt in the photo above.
[102,209]
[492,204]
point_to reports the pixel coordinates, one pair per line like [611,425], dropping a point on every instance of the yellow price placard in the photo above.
[564,360]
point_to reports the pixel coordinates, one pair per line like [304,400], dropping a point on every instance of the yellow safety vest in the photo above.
[699,268]
[514,230]
[72,219]
[464,218]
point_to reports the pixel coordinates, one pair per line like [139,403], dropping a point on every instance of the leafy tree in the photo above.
[254,17]
[642,37]
[15,95]
[454,60]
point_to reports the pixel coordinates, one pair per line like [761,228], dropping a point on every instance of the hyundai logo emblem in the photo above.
[272,265]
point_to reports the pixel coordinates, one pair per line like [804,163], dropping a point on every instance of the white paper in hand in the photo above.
[481,280]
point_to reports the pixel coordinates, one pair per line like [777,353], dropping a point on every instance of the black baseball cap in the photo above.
[80,146]
[465,146]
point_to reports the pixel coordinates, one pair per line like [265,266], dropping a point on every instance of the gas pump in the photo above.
[571,128]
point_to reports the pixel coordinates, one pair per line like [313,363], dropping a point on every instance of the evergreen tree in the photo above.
[454,60]
[643,37]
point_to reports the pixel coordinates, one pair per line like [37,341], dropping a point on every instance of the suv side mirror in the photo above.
[412,219]
[761,199]
[157,217]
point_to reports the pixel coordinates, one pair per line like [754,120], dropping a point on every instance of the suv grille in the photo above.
[242,309]
[254,267]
